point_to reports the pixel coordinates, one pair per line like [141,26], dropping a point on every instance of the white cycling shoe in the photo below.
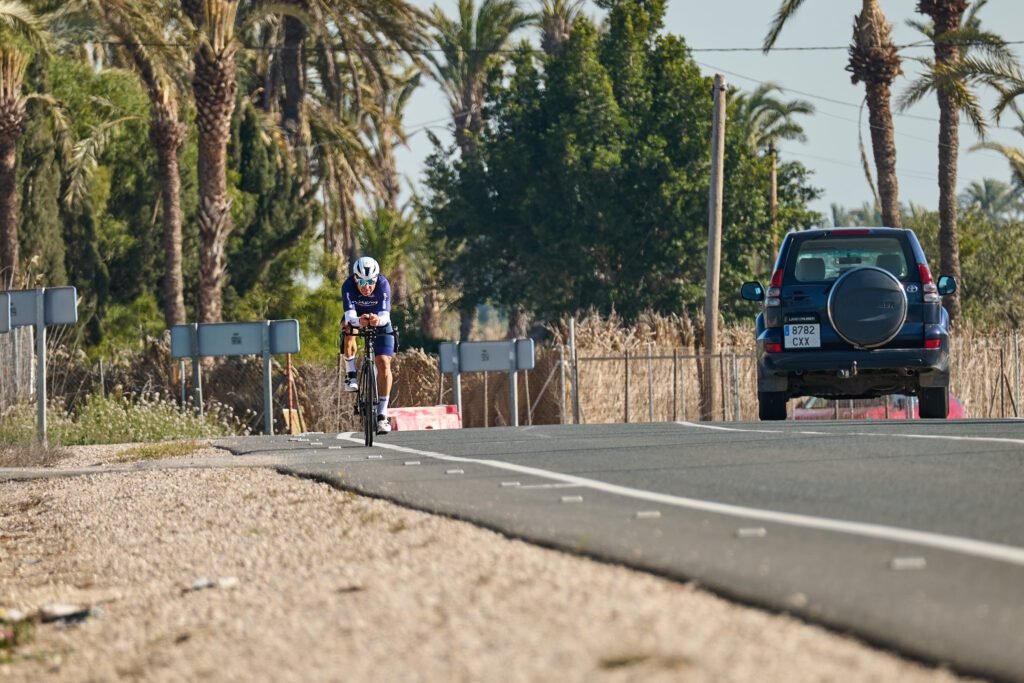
[351,385]
[383,425]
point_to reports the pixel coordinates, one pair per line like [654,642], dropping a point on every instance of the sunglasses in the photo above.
[366,283]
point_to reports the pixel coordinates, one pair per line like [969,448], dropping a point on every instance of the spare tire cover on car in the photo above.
[867,306]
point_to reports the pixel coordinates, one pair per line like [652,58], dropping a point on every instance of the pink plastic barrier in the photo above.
[427,417]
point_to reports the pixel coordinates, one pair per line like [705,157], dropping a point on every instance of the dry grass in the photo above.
[160,451]
[30,455]
[666,374]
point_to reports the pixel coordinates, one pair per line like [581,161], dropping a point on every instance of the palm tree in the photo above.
[141,26]
[556,19]
[767,121]
[954,36]
[471,46]
[214,86]
[367,34]
[21,35]
[387,130]
[997,200]
[875,62]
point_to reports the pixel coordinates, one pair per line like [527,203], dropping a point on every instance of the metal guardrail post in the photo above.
[561,380]
[627,388]
[650,385]
[575,378]
[675,383]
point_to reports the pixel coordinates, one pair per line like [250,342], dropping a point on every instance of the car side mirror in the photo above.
[947,285]
[752,291]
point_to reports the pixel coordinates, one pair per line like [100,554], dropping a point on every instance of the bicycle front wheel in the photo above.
[368,401]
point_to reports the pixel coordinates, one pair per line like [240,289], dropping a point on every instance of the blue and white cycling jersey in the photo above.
[379,302]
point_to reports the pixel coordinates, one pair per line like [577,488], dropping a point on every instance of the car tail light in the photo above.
[774,289]
[773,347]
[851,231]
[932,343]
[931,292]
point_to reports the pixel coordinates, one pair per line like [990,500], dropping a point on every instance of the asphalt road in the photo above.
[909,535]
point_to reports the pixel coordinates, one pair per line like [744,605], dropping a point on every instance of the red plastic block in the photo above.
[426,417]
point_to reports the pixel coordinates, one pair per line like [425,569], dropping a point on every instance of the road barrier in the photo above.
[427,417]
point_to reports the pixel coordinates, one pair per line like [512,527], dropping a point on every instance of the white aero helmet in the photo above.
[366,268]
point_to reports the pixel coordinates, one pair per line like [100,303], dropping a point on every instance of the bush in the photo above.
[145,417]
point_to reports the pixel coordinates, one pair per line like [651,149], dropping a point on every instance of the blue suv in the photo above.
[852,313]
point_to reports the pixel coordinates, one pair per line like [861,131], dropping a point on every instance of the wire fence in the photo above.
[642,382]
[17,366]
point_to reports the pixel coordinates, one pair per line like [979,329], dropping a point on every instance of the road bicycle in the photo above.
[366,396]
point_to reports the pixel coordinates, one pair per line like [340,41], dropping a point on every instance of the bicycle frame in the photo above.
[366,398]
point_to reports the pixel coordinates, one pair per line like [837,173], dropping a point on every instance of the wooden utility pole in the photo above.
[714,247]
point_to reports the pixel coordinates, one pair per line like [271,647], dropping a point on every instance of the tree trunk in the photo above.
[946,16]
[949,243]
[875,61]
[168,135]
[467,320]
[8,214]
[215,87]
[294,77]
[883,145]
[518,323]
[430,316]
[773,202]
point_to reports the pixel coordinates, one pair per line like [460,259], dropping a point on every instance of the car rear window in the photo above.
[825,259]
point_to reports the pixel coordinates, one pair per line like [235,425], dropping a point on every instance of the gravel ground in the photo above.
[247,575]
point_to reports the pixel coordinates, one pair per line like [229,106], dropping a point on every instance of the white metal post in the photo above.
[268,394]
[197,373]
[575,372]
[561,382]
[41,365]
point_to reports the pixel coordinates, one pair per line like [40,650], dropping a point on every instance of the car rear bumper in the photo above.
[876,359]
[852,373]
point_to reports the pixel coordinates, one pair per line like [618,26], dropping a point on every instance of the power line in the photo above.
[533,50]
[829,99]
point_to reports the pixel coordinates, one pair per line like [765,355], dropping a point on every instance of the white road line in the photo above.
[550,486]
[964,546]
[986,439]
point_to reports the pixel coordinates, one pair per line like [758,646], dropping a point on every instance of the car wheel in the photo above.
[771,405]
[934,403]
[867,307]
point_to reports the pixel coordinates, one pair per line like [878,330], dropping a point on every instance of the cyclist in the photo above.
[367,300]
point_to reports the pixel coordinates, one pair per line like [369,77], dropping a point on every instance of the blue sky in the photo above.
[831,150]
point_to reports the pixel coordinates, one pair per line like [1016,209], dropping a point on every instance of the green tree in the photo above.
[556,19]
[590,186]
[992,262]
[276,215]
[143,28]
[471,48]
[768,121]
[22,35]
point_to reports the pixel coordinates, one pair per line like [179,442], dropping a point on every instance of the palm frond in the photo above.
[85,156]
[786,11]
[17,18]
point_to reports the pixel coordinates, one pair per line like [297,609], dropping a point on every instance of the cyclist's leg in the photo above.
[384,349]
[348,351]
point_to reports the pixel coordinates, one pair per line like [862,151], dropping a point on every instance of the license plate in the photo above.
[802,336]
